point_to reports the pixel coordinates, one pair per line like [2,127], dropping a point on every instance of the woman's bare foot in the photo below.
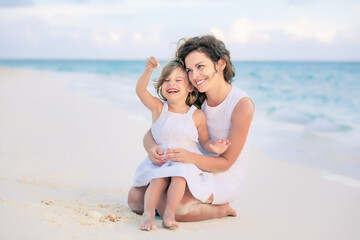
[169,221]
[226,210]
[148,222]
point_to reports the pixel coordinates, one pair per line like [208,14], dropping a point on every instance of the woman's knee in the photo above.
[136,199]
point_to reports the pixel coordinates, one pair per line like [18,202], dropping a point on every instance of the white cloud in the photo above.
[325,36]
[108,37]
[218,33]
[163,4]
[311,30]
[62,15]
[241,31]
[151,35]
[244,31]
[137,36]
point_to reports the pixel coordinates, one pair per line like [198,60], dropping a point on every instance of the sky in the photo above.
[253,30]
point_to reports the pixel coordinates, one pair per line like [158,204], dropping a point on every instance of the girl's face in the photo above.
[176,86]
[202,72]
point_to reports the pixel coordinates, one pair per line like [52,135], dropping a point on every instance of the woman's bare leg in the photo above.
[152,197]
[175,193]
[192,209]
[136,199]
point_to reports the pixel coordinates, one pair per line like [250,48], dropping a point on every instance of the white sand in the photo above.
[67,161]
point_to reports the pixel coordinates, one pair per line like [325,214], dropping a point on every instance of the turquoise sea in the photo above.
[306,112]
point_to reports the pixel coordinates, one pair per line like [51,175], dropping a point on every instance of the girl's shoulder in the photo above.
[199,113]
[198,117]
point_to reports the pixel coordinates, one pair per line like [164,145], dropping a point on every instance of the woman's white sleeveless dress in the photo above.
[175,130]
[227,185]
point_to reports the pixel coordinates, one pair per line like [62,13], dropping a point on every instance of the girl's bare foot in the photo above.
[148,222]
[169,221]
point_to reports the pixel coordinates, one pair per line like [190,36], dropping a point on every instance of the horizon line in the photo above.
[163,60]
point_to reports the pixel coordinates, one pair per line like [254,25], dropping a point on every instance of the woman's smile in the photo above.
[200,82]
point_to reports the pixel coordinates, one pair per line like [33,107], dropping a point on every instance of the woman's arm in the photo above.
[240,124]
[154,151]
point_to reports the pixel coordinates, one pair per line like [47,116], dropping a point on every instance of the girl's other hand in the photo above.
[220,146]
[156,155]
[152,63]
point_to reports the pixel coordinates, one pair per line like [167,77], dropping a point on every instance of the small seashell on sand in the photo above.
[112,218]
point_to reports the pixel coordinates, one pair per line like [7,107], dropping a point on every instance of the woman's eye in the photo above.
[178,80]
[200,66]
[166,80]
[188,70]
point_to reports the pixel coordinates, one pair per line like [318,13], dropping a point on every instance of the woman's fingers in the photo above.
[173,154]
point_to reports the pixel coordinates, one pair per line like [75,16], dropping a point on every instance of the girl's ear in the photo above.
[221,64]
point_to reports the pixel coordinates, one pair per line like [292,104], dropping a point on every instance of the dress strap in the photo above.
[191,110]
[165,106]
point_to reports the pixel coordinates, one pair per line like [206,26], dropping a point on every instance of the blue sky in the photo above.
[108,29]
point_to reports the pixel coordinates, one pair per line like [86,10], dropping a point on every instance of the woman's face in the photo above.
[202,72]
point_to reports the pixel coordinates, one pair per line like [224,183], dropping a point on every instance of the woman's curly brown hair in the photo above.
[214,48]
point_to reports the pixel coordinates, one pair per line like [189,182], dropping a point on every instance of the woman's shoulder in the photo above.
[245,108]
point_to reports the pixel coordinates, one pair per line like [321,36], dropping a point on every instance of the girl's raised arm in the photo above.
[152,103]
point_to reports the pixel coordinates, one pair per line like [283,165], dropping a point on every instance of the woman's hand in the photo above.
[156,155]
[179,155]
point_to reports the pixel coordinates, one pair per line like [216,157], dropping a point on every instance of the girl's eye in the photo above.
[200,66]
[166,80]
[178,80]
[188,70]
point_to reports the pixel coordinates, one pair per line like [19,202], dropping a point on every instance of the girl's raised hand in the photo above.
[220,146]
[152,63]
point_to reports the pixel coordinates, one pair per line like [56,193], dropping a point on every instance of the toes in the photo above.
[170,224]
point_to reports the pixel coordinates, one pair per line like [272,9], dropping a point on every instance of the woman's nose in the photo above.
[194,74]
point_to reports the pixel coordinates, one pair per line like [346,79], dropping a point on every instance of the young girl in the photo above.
[176,123]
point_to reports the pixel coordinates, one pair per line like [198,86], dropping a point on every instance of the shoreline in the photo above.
[67,159]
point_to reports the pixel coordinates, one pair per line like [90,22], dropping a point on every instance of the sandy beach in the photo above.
[67,161]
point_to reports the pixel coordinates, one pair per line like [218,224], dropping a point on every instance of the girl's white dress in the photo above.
[175,130]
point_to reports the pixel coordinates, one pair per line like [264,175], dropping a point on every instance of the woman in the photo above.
[229,112]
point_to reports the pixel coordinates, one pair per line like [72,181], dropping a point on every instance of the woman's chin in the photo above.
[201,88]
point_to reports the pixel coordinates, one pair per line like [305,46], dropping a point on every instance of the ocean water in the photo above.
[306,112]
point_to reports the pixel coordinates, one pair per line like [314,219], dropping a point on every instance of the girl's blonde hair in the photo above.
[165,73]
